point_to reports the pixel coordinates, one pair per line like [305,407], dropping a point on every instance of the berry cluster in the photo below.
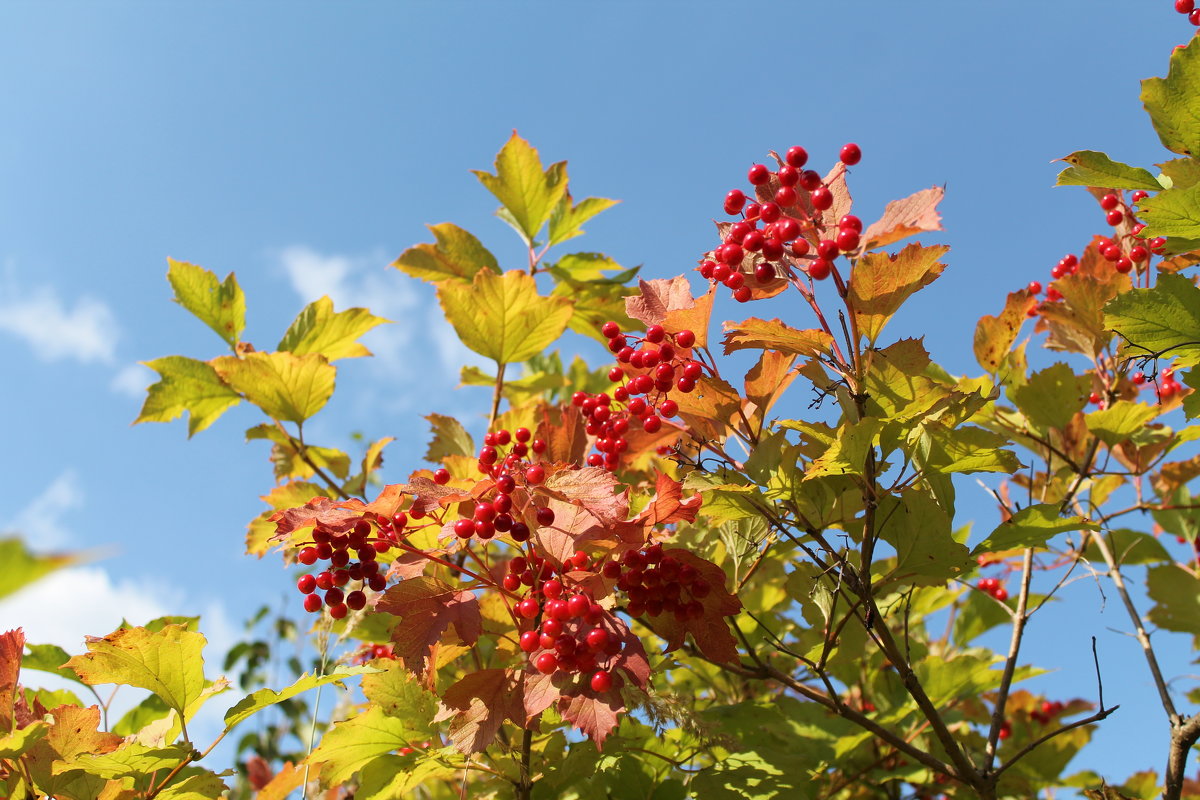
[1189,7]
[370,652]
[502,458]
[650,368]
[789,206]
[1049,710]
[569,632]
[370,537]
[656,583]
[994,587]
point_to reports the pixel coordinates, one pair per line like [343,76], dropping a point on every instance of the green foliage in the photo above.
[1089,168]
[1163,321]
[20,567]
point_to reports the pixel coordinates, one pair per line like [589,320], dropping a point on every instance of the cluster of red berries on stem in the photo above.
[656,583]
[503,458]
[370,652]
[649,369]
[568,632]
[368,539]
[1048,711]
[789,205]
[1189,7]
[994,587]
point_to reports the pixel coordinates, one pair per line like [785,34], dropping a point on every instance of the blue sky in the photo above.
[305,145]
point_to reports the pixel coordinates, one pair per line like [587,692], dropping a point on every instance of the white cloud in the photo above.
[41,521]
[132,380]
[86,332]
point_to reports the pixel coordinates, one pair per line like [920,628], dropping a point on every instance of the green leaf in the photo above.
[265,698]
[848,453]
[881,282]
[1119,421]
[597,297]
[1174,104]
[1129,547]
[1180,173]
[318,329]
[132,760]
[20,567]
[1176,594]
[1160,321]
[220,306]
[567,220]
[979,614]
[151,709]
[456,254]
[167,662]
[1191,402]
[285,386]
[939,448]
[186,385]
[1032,526]
[1052,396]
[1173,213]
[46,657]
[528,193]
[1090,168]
[920,532]
[14,744]
[450,438]
[502,317]
[350,744]
[395,690]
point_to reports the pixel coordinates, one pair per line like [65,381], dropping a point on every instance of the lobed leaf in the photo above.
[220,306]
[186,384]
[566,222]
[528,193]
[881,282]
[774,335]
[1119,421]
[1160,321]
[1173,103]
[994,336]
[1052,396]
[318,329]
[1174,213]
[450,438]
[351,743]
[284,385]
[455,255]
[502,317]
[914,214]
[427,607]
[478,705]
[265,698]
[1032,526]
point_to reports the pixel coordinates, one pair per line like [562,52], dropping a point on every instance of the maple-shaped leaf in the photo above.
[186,384]
[994,336]
[710,631]
[426,607]
[429,496]
[756,334]
[283,385]
[881,282]
[478,705]
[457,254]
[167,662]
[219,305]
[353,742]
[659,297]
[595,714]
[75,733]
[332,515]
[334,334]
[711,408]
[668,505]
[914,214]
[260,533]
[12,646]
[1077,323]
[528,193]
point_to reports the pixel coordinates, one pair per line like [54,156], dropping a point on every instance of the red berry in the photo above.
[652,423]
[847,240]
[441,477]
[1000,593]
[308,556]
[1109,202]
[356,600]
[602,681]
[597,638]
[537,473]
[334,596]
[796,156]
[1124,265]
[511,582]
[819,270]
[1114,217]
[546,663]
[545,516]
[827,249]
[1185,6]
[850,154]
[852,222]
[528,608]
[307,584]
[764,273]
[758,174]
[529,641]
[788,175]
[786,196]
[578,605]
[685,339]
[312,603]
[787,229]
[668,408]
[822,199]
[770,212]
[810,180]
[611,329]
[742,294]
[1138,254]
[1194,17]
[1034,287]
[734,202]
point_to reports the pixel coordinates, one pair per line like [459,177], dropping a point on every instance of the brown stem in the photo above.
[496,394]
[1010,664]
[525,787]
[301,450]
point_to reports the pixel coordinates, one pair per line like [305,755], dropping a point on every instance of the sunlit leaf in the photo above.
[319,329]
[502,317]
[1174,104]
[1090,168]
[1161,321]
[221,306]
[285,386]
[528,193]
[186,384]
[881,282]
[456,254]
[265,698]
[1032,526]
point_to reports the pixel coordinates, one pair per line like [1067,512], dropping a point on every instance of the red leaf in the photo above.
[542,691]
[572,524]
[592,487]
[565,437]
[337,517]
[12,646]
[427,607]
[657,298]
[428,496]
[595,714]
[478,705]
[668,506]
[710,631]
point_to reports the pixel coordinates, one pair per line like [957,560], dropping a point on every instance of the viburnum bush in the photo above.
[666,575]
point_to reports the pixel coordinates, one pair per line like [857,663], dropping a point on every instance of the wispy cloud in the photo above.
[86,331]
[42,521]
[132,380]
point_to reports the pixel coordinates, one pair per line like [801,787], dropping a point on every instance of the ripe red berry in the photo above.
[786,196]
[307,556]
[529,641]
[852,222]
[770,212]
[827,249]
[1000,593]
[1034,287]
[312,603]
[597,638]
[546,663]
[602,681]
[1124,265]
[742,294]
[441,477]
[734,201]
[1194,17]
[1109,201]
[306,584]
[578,605]
[819,269]
[537,473]
[810,180]
[1185,6]
[356,600]
[822,199]
[685,339]
[545,516]
[528,608]
[610,329]
[788,175]
[1114,217]
[758,174]
[796,156]
[850,154]
[847,240]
